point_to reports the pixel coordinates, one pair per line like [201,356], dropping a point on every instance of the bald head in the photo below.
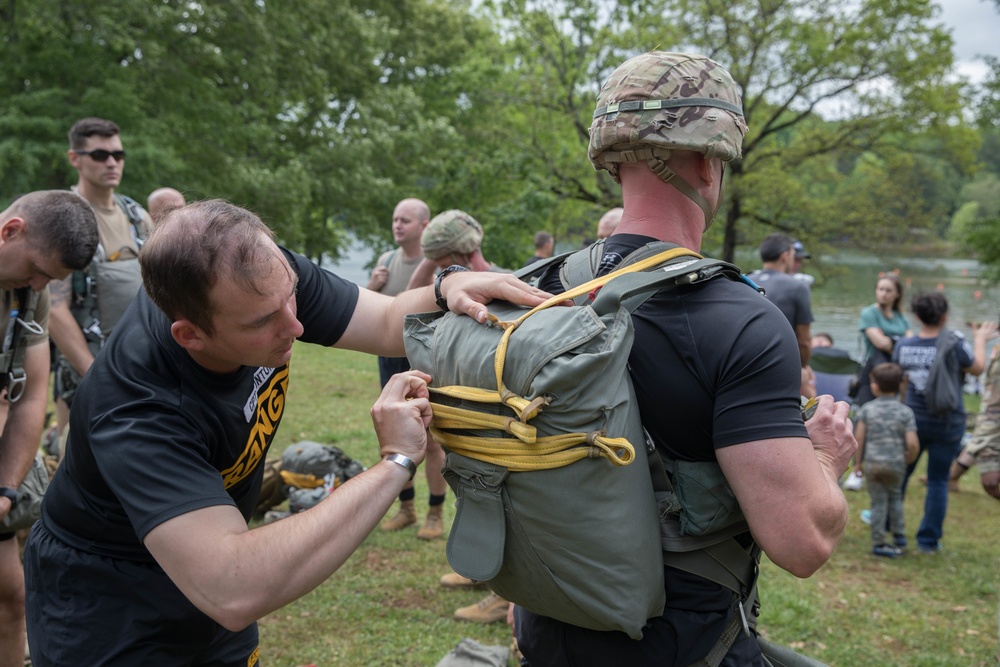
[608,222]
[163,200]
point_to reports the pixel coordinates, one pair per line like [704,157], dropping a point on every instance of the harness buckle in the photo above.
[743,618]
[16,382]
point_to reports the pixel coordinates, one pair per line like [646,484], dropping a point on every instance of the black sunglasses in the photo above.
[101,155]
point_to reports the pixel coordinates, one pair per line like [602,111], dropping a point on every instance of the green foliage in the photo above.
[321,116]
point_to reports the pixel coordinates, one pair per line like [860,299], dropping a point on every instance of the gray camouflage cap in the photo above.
[451,232]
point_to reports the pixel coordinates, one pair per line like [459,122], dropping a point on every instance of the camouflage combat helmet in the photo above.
[451,232]
[658,102]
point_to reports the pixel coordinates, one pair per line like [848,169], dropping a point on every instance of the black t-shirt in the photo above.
[714,365]
[153,435]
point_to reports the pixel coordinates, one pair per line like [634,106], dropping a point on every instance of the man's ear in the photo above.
[74,158]
[11,229]
[707,170]
[188,335]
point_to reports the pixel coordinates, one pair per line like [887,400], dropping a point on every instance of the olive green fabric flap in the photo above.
[476,542]
[707,504]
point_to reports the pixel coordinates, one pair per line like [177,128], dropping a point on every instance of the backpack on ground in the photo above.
[306,474]
[546,452]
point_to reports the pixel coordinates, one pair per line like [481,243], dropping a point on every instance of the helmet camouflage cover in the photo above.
[451,232]
[659,101]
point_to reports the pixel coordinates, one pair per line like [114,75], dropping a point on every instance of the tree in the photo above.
[817,77]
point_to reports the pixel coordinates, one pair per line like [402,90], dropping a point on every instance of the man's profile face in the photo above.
[250,329]
[99,174]
[22,264]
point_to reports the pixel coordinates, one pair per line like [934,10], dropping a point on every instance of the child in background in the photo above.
[886,432]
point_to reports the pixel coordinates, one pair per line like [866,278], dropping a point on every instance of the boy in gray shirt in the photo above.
[886,432]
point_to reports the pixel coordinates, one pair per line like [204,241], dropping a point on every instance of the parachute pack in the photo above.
[545,448]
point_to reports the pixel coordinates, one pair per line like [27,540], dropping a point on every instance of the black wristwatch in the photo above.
[441,302]
[11,495]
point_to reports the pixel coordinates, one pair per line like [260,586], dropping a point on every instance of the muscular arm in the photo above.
[237,575]
[788,489]
[25,422]
[64,330]
[377,322]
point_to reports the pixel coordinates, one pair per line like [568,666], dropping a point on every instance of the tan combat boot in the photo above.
[433,528]
[406,516]
[491,609]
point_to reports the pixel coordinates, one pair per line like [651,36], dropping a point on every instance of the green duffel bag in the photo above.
[546,452]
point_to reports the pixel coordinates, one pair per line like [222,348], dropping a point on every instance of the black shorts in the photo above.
[682,635]
[84,609]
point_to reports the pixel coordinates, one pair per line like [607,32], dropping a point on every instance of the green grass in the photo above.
[384,606]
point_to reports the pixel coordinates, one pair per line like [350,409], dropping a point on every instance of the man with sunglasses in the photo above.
[86,306]
[43,236]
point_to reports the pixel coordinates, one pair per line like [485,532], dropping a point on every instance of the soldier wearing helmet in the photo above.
[716,372]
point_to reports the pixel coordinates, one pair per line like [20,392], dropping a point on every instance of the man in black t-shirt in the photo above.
[143,555]
[713,365]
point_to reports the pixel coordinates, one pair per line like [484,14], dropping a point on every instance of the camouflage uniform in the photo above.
[985,441]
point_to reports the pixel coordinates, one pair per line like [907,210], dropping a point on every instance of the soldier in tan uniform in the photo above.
[97,155]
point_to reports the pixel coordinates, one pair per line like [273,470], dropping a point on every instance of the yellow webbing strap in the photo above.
[548,452]
[527,451]
[518,403]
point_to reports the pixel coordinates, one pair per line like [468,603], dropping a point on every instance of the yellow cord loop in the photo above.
[528,451]
[548,451]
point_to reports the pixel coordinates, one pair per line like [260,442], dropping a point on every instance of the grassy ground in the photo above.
[384,607]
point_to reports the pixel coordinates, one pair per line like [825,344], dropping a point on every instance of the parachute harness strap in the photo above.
[526,450]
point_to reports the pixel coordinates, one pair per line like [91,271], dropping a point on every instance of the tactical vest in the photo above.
[102,292]
[21,323]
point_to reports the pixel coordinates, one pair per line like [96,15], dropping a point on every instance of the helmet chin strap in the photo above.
[659,167]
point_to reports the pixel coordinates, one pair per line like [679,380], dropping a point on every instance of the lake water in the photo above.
[844,286]
[837,300]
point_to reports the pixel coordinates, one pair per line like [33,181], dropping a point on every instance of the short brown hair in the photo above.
[888,377]
[193,247]
[58,222]
[542,239]
[85,128]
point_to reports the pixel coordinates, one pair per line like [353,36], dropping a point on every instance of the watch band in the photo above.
[404,461]
[10,494]
[441,302]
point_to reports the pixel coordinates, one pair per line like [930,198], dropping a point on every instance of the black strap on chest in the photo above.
[21,323]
